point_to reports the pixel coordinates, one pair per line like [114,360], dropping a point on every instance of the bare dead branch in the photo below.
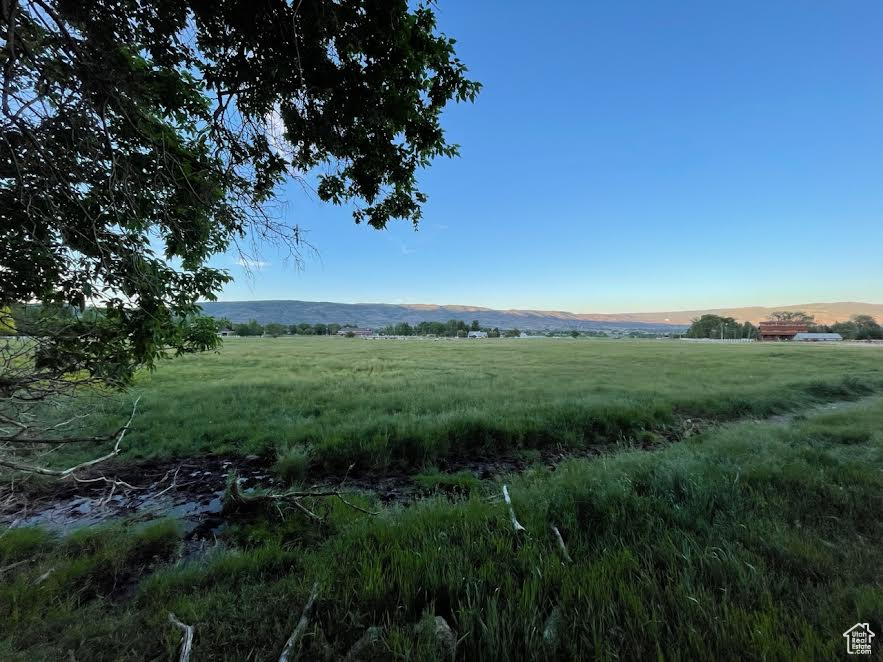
[306,511]
[515,523]
[291,649]
[561,544]
[14,565]
[186,639]
[64,473]
[359,508]
[236,496]
[66,440]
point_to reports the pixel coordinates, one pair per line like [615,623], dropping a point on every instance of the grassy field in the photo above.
[744,540]
[382,403]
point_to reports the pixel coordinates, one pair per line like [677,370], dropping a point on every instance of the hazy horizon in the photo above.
[629,158]
[578,312]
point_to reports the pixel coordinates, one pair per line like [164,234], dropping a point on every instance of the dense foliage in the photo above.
[860,327]
[138,139]
[715,326]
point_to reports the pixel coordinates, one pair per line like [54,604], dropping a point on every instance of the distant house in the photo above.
[359,332]
[780,330]
[477,334]
[223,333]
[817,337]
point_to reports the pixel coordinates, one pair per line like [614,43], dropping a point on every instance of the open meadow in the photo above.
[379,403]
[696,488]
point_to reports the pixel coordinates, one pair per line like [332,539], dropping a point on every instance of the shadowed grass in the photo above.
[751,541]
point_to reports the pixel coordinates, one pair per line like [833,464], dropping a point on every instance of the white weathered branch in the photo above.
[289,652]
[515,523]
[294,497]
[561,545]
[64,473]
[186,639]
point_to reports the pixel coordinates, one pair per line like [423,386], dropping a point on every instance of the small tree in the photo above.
[252,328]
[848,330]
[713,326]
[574,334]
[275,329]
[867,328]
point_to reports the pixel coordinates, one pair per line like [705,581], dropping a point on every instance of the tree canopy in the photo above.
[716,326]
[139,138]
[859,327]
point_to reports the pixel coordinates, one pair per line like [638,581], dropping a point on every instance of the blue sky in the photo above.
[631,156]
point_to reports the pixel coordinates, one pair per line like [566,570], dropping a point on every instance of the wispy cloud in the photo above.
[248,263]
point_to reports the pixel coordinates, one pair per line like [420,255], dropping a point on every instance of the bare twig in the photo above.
[64,473]
[14,565]
[172,486]
[359,508]
[306,511]
[67,440]
[290,651]
[186,640]
[515,523]
[42,578]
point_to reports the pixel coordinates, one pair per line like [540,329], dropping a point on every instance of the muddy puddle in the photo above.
[192,490]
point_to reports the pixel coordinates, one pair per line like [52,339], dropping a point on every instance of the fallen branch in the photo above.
[237,496]
[515,523]
[14,565]
[186,639]
[67,440]
[42,578]
[561,545]
[359,508]
[293,643]
[64,473]
[306,511]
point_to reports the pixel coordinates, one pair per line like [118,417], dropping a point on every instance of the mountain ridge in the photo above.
[382,314]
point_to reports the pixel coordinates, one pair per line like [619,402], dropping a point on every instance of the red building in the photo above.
[780,330]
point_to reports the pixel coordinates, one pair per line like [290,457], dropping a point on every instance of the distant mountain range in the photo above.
[378,315]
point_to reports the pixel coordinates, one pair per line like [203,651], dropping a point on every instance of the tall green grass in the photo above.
[413,403]
[750,541]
